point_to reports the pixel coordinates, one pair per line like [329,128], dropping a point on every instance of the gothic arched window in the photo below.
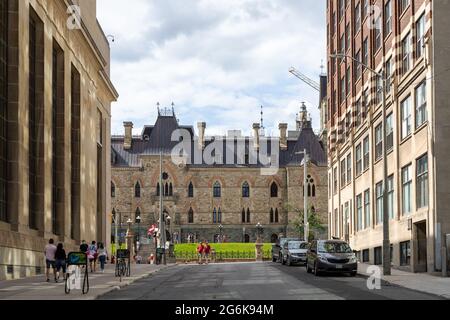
[113,190]
[272,217]
[248,216]
[166,190]
[243,215]
[220,216]
[274,190]
[158,190]
[191,190]
[277,220]
[191,216]
[170,190]
[137,190]
[311,187]
[217,190]
[114,215]
[215,215]
[245,190]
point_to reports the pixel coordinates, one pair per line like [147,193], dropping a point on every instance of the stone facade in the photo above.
[71,168]
[144,168]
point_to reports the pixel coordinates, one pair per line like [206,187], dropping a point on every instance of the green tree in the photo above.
[315,225]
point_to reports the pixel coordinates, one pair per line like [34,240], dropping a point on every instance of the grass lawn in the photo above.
[222,247]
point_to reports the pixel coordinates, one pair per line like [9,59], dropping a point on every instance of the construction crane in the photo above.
[313,84]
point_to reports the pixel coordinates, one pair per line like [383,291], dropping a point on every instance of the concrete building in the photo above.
[55,114]
[201,196]
[407,39]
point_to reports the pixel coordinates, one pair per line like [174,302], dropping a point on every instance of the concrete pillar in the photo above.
[256,132]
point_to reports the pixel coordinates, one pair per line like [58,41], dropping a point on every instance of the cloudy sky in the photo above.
[217,60]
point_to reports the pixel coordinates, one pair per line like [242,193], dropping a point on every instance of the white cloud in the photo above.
[218,61]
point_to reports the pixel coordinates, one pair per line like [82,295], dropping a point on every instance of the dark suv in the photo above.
[277,249]
[331,256]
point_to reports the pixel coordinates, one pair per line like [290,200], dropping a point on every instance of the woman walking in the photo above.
[61,261]
[92,256]
[102,256]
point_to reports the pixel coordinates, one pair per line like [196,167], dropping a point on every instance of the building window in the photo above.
[403,5]
[405,253]
[406,54]
[113,190]
[217,190]
[75,153]
[366,256]
[379,88]
[358,155]
[421,104]
[406,189]
[366,146]
[36,120]
[379,142]
[379,203]
[3,107]
[311,187]
[420,36]
[191,190]
[170,190]
[367,219]
[335,181]
[343,91]
[406,117]
[389,132]
[357,66]
[387,18]
[215,216]
[390,194]
[422,182]
[245,190]
[191,216]
[277,217]
[357,18]
[248,216]
[388,76]
[243,216]
[349,169]
[378,256]
[359,210]
[366,52]
[274,190]
[378,35]
[366,104]
[343,172]
[137,190]
[272,216]
[158,189]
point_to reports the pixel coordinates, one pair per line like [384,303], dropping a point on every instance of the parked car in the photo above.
[294,252]
[331,256]
[277,249]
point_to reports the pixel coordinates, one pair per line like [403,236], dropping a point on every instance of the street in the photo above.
[255,281]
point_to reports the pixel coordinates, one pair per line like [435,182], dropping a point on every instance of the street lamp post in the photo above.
[305,194]
[138,242]
[220,233]
[386,241]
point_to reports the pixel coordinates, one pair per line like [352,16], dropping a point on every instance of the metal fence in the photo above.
[221,256]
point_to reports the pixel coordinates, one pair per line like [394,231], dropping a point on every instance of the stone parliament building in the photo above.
[204,201]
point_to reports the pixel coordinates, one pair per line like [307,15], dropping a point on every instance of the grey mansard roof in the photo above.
[156,139]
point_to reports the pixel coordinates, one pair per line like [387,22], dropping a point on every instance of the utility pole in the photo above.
[305,194]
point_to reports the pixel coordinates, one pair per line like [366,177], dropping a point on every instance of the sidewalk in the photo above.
[36,288]
[422,282]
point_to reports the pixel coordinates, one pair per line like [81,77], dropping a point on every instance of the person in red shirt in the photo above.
[200,252]
[207,251]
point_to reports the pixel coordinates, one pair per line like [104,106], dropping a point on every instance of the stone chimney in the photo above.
[201,134]
[256,134]
[283,135]
[128,140]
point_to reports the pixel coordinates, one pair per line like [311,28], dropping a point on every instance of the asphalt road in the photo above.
[255,281]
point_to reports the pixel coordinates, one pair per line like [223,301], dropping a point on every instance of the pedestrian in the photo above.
[61,261]
[50,261]
[92,256]
[102,256]
[200,249]
[207,251]
[84,246]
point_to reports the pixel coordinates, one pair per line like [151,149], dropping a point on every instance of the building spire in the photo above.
[262,121]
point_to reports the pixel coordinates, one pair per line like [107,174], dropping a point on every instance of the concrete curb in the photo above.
[129,282]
